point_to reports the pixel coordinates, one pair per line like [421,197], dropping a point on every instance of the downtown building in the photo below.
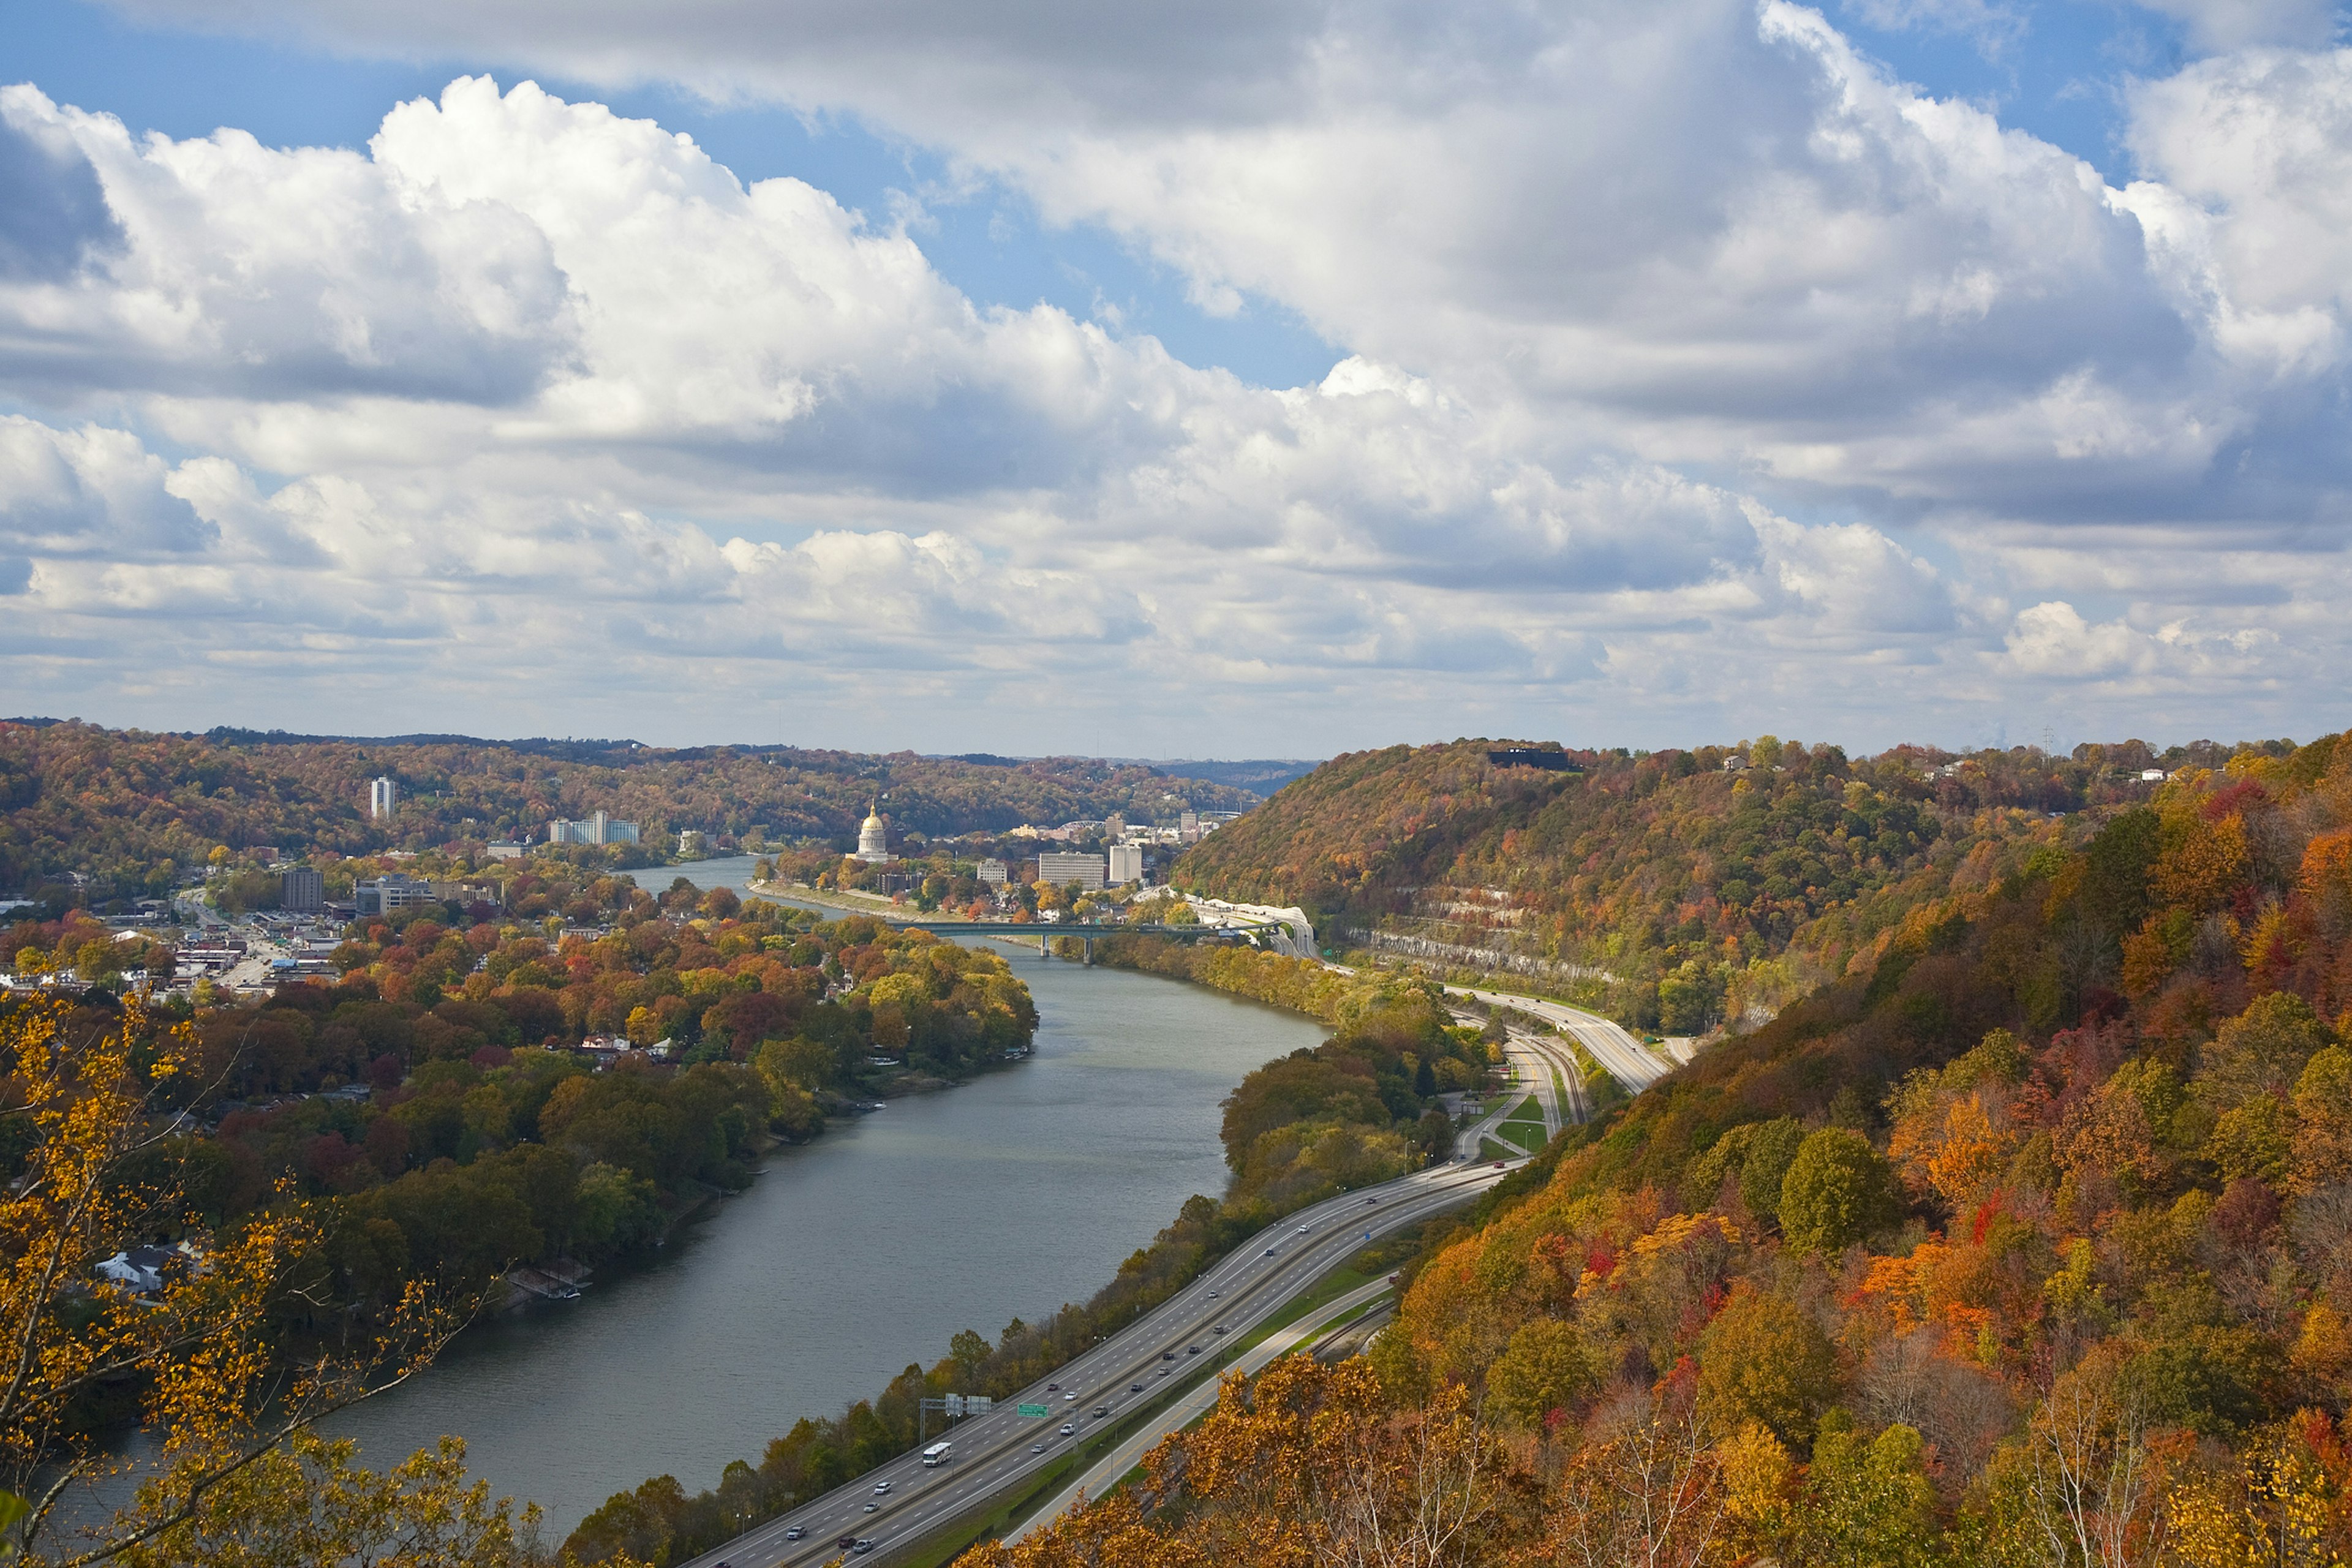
[595,828]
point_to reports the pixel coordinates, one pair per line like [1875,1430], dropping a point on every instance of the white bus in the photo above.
[936,1454]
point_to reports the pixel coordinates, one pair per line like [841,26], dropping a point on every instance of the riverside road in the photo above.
[996,1451]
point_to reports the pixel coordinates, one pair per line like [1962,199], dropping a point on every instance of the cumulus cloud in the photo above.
[1690,359]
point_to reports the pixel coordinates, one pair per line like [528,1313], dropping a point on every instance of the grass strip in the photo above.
[1528,1135]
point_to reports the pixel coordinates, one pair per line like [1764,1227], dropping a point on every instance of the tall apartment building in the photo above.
[301,891]
[1061,870]
[1125,864]
[1188,827]
[383,796]
[596,828]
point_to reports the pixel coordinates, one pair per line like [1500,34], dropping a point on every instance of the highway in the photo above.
[1621,1056]
[993,1452]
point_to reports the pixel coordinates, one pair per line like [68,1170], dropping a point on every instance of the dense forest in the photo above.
[426,1095]
[1357,1109]
[134,812]
[2027,1241]
[1671,889]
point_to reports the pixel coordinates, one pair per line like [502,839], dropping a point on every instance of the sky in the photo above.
[1240,379]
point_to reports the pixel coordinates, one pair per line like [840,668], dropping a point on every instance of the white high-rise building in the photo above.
[383,796]
[597,828]
[1125,864]
[1060,870]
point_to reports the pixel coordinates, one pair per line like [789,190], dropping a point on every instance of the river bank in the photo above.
[881,1238]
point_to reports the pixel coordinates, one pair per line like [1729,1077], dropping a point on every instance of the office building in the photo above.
[1125,864]
[1188,827]
[597,828]
[992,872]
[382,895]
[1061,870]
[383,796]
[301,891]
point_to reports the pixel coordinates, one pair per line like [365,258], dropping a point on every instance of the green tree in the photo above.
[1762,1359]
[1867,1503]
[1837,1190]
[1545,1367]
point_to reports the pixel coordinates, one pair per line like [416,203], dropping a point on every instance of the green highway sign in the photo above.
[1035,1410]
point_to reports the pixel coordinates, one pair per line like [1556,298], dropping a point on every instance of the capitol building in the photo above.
[873,838]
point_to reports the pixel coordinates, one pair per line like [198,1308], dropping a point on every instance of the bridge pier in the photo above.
[1091,950]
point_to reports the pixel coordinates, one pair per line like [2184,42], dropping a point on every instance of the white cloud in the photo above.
[1691,360]
[2239,24]
[2053,639]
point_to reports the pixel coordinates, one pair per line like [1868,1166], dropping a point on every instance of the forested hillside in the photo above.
[1665,887]
[130,810]
[2028,1242]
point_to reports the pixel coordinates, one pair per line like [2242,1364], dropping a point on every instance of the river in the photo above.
[858,1253]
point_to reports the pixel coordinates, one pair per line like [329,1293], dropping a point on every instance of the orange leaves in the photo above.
[2203,857]
[1956,1155]
[1299,1468]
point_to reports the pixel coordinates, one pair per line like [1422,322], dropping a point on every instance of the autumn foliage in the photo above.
[2027,1240]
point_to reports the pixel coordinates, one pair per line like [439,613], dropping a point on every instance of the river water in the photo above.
[858,1253]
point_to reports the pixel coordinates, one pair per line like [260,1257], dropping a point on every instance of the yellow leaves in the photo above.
[1676,1230]
[2322,1347]
[1758,1477]
[306,1503]
[2275,1504]
[203,1348]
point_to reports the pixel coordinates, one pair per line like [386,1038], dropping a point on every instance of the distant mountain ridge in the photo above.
[131,809]
[1713,883]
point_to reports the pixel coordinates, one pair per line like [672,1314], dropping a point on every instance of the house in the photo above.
[144,1270]
[2151,775]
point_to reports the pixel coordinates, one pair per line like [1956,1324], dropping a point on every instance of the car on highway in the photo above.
[794,1534]
[881,1489]
[1052,1386]
[1068,1398]
[1068,1430]
[1135,1388]
[1269,1252]
[864,1546]
[1213,1295]
[1191,1349]
[1304,1229]
[845,1541]
[1167,1355]
[1499,1164]
[874,1508]
[1372,1200]
[1218,1330]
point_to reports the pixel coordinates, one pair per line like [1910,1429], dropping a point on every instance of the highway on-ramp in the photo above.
[996,1451]
[1621,1056]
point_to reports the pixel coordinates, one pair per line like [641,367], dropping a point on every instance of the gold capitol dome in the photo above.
[874,837]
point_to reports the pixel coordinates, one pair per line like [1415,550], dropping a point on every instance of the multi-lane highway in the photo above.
[901,1502]
[1621,1056]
